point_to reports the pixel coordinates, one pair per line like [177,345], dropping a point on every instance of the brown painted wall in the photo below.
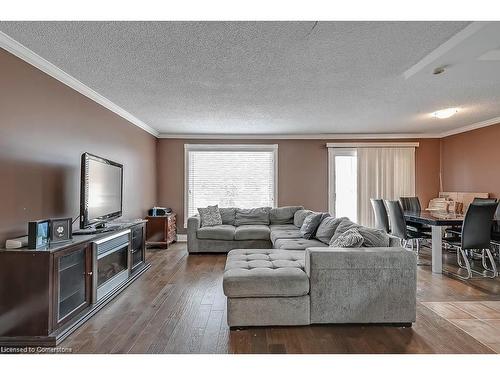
[471,161]
[45,126]
[302,172]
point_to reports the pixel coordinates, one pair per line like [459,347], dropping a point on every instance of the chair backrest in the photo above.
[484,200]
[397,219]
[410,204]
[381,219]
[476,230]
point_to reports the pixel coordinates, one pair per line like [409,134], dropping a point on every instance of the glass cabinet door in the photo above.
[72,276]
[137,246]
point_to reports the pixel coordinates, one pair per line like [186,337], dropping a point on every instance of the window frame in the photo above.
[189,147]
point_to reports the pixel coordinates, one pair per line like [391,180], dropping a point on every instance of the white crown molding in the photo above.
[24,53]
[301,136]
[467,128]
[463,129]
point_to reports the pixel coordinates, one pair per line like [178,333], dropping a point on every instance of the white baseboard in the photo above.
[182,238]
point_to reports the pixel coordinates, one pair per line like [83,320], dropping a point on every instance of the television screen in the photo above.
[101,190]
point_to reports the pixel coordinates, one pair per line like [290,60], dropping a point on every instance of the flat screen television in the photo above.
[100,192]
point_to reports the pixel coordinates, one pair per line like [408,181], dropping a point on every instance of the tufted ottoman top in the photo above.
[265,273]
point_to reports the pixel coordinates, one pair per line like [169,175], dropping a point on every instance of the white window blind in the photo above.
[242,176]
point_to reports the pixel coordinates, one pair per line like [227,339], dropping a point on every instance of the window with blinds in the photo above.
[242,176]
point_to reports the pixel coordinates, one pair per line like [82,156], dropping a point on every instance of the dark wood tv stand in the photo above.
[46,294]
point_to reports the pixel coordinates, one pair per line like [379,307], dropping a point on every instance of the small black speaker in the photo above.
[159,211]
[61,230]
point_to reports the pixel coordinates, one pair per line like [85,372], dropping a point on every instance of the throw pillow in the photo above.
[311,223]
[299,217]
[344,225]
[350,238]
[228,215]
[374,237]
[210,216]
[327,228]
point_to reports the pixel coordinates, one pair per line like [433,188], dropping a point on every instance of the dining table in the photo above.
[437,220]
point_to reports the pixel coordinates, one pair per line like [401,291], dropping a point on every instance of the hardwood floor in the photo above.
[178,307]
[480,319]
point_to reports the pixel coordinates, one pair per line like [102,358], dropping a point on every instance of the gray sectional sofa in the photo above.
[279,228]
[275,277]
[269,287]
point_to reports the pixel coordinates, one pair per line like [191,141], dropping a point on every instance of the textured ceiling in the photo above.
[267,77]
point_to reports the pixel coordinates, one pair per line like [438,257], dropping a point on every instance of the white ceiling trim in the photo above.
[455,40]
[463,129]
[477,125]
[299,136]
[24,53]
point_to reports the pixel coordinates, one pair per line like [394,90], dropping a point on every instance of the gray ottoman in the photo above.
[266,287]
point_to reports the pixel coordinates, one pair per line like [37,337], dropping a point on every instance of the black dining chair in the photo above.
[495,229]
[381,219]
[484,200]
[399,227]
[412,204]
[456,230]
[476,237]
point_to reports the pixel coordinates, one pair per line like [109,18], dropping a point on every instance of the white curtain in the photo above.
[386,173]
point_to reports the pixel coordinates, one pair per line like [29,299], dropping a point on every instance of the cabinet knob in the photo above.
[90,273]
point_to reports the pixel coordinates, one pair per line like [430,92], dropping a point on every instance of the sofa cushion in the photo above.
[311,224]
[265,273]
[394,241]
[350,238]
[282,227]
[297,243]
[327,228]
[228,215]
[283,215]
[210,216]
[252,216]
[299,217]
[217,232]
[284,233]
[252,232]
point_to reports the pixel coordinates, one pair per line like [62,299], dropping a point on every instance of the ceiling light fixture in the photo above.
[445,113]
[438,70]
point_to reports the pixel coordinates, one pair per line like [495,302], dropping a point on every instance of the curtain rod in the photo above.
[372,144]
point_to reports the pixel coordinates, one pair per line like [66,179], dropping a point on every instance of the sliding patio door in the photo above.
[357,174]
[343,181]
